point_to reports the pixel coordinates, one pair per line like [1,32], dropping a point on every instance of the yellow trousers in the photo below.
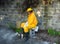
[27,28]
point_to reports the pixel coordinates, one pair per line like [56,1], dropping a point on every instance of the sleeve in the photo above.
[31,22]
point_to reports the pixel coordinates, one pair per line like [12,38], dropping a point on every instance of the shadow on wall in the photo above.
[30,3]
[5,2]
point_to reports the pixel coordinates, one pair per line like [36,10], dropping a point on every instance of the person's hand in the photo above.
[26,24]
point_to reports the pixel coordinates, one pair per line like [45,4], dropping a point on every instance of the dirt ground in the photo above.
[44,36]
[7,36]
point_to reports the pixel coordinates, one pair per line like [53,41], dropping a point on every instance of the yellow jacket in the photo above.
[32,22]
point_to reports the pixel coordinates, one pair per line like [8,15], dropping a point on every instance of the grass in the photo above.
[53,32]
[14,28]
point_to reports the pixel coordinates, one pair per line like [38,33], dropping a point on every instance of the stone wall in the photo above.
[54,14]
[13,13]
[52,20]
[10,13]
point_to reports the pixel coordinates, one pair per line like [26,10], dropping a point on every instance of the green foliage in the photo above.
[11,26]
[19,30]
[59,33]
[14,28]
[53,32]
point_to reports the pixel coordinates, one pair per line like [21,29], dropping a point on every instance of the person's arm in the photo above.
[31,21]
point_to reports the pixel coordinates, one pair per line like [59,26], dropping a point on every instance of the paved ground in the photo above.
[7,36]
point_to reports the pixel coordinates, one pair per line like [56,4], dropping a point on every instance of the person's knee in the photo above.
[22,25]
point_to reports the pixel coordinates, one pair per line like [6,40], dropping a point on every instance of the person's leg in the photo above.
[26,33]
[22,25]
[22,33]
[26,36]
